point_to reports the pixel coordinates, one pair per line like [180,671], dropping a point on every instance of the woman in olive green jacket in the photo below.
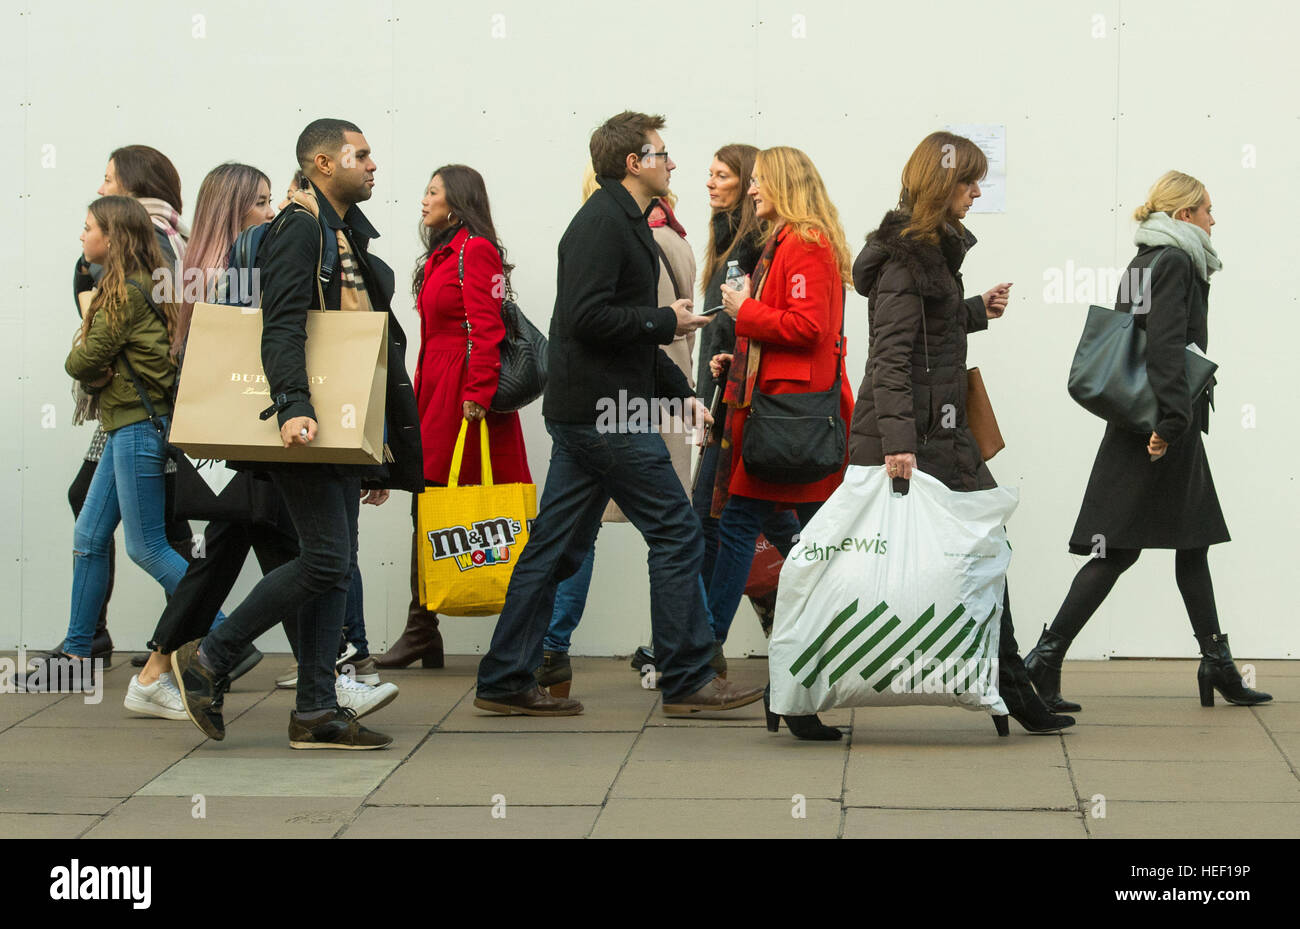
[123,332]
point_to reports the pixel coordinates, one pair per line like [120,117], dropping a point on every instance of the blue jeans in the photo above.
[570,601]
[738,529]
[354,619]
[324,507]
[587,469]
[780,526]
[128,487]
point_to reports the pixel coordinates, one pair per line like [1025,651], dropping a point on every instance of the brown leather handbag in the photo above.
[980,418]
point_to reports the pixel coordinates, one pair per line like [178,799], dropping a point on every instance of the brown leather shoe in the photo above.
[717,694]
[534,702]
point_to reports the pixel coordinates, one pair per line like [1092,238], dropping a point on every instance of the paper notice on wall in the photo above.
[992,141]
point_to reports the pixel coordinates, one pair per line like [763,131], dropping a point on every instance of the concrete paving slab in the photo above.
[1289,742]
[611,704]
[1157,711]
[529,768]
[718,819]
[1245,742]
[36,785]
[1278,717]
[473,822]
[962,824]
[305,774]
[16,708]
[44,826]
[730,763]
[929,744]
[958,779]
[1201,820]
[226,817]
[152,740]
[1196,781]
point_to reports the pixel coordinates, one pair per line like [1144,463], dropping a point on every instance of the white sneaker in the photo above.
[365,671]
[162,698]
[363,698]
[289,679]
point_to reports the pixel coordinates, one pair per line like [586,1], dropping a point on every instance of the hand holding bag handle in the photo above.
[458,453]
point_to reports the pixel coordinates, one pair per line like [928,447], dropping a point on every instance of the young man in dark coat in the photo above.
[605,340]
[322,499]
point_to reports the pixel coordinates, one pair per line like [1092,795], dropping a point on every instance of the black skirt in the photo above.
[1134,502]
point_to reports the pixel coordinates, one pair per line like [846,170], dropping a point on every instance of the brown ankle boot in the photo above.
[421,638]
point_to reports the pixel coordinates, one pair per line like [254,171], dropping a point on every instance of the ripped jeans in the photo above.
[127,488]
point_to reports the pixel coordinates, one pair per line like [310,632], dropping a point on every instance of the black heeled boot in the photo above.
[1043,665]
[1023,702]
[1218,672]
[810,728]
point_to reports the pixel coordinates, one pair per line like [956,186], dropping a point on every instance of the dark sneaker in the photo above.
[339,731]
[247,661]
[643,656]
[202,692]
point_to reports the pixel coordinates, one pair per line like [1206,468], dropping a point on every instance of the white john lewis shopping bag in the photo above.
[893,599]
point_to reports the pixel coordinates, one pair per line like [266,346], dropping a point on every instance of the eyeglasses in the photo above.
[663,154]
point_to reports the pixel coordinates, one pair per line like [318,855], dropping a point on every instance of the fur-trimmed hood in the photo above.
[932,267]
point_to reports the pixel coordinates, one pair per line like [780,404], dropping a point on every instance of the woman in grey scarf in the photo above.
[1156,491]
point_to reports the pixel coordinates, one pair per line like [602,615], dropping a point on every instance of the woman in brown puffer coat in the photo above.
[911,408]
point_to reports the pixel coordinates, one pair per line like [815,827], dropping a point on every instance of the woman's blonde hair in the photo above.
[133,250]
[941,162]
[792,184]
[1173,192]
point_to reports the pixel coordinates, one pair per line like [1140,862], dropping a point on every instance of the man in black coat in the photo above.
[605,360]
[323,500]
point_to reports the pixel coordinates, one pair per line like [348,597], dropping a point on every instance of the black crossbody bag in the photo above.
[797,438]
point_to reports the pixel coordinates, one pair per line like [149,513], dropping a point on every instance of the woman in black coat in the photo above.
[911,408]
[1156,491]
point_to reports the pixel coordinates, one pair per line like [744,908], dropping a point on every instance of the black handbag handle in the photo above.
[1143,279]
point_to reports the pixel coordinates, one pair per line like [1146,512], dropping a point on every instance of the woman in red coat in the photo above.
[456,375]
[789,339]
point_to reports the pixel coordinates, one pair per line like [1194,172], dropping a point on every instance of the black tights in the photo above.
[1098,576]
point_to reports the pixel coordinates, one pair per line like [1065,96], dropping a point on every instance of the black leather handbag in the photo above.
[523,354]
[797,438]
[1108,376]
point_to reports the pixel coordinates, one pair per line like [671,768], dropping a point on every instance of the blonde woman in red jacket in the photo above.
[789,339]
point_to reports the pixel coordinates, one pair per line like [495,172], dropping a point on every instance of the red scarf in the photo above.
[741,377]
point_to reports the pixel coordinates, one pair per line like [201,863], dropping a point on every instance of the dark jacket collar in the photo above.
[934,268]
[353,221]
[624,199]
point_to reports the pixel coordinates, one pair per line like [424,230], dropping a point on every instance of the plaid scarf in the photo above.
[741,377]
[164,216]
[353,296]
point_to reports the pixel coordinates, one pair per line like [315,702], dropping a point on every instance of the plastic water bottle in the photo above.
[734,275]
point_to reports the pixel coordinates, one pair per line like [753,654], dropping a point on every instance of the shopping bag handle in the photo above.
[485,458]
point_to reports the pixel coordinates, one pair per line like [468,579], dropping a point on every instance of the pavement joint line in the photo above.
[844,776]
[1272,737]
[19,722]
[976,809]
[626,758]
[343,827]
[1074,784]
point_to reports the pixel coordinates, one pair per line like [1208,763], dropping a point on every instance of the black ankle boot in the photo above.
[555,674]
[1043,665]
[1023,702]
[1217,672]
[801,727]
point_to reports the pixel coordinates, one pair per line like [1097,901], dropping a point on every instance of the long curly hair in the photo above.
[132,250]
